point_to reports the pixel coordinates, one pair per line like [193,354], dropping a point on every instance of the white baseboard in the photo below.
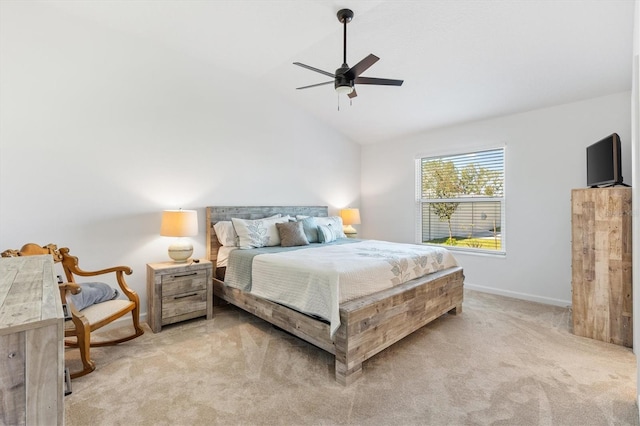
[518,295]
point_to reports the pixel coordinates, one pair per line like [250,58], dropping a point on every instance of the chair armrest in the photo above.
[72,288]
[71,268]
[70,264]
[77,317]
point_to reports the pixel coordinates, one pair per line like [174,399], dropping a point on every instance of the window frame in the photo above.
[419,201]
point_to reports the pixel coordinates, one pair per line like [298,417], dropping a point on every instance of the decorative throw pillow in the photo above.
[259,232]
[310,227]
[226,233]
[91,294]
[291,234]
[335,221]
[326,233]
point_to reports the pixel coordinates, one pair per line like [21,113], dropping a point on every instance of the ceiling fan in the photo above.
[346,78]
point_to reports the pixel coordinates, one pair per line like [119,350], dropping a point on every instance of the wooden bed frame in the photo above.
[369,324]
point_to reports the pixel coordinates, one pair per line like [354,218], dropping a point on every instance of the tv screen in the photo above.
[604,162]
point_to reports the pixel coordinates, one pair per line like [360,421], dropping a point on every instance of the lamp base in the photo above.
[350,231]
[180,251]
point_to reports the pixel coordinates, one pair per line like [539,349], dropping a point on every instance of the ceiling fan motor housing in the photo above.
[341,79]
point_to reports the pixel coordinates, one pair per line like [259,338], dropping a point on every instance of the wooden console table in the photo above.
[31,343]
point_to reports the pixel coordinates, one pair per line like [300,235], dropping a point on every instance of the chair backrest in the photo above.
[69,263]
[32,249]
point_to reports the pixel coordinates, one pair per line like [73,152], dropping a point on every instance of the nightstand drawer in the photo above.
[183,306]
[186,282]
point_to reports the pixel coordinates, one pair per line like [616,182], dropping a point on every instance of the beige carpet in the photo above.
[503,361]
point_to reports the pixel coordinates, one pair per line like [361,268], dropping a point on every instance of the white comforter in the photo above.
[315,281]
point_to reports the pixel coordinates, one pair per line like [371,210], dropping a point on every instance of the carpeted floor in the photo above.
[502,362]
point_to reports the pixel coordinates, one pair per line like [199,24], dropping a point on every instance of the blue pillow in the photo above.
[91,294]
[326,234]
[310,228]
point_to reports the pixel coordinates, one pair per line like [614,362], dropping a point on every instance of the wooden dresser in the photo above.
[31,343]
[601,278]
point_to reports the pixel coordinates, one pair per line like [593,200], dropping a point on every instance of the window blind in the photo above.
[461,200]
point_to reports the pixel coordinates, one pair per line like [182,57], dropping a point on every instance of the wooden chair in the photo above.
[87,320]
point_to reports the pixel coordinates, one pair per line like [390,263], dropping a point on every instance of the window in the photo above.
[461,201]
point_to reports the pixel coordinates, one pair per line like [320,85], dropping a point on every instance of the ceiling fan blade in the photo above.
[327,73]
[314,85]
[353,94]
[378,81]
[361,66]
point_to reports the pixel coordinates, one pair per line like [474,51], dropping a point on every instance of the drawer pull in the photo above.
[182,296]
[185,275]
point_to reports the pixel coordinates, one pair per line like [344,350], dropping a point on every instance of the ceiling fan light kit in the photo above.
[344,89]
[345,77]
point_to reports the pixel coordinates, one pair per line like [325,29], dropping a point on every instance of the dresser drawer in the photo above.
[185,282]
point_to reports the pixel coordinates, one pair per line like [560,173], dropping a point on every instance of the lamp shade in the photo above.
[350,216]
[179,223]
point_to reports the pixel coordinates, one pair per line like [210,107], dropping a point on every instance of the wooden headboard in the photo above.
[216,214]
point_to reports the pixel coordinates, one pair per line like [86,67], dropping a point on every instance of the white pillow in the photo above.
[226,233]
[223,256]
[259,232]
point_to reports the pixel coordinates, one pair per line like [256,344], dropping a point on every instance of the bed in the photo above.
[367,324]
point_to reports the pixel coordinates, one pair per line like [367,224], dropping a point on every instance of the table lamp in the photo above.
[350,217]
[179,224]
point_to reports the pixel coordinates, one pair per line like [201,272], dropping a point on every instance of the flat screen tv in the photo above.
[604,162]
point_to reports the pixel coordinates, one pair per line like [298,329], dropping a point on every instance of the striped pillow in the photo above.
[326,233]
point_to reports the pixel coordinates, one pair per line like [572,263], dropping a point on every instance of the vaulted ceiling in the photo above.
[461,60]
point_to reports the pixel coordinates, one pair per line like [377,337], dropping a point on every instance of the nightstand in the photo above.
[178,292]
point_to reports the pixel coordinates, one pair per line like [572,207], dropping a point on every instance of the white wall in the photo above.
[635,132]
[545,159]
[100,131]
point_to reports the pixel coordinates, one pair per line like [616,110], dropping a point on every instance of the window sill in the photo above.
[472,252]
